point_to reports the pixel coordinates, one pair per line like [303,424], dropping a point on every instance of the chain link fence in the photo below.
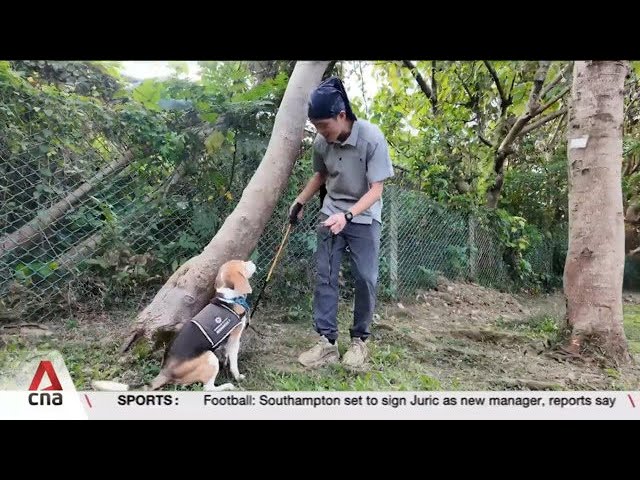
[421,240]
[87,224]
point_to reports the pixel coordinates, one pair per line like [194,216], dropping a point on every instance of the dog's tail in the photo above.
[108,386]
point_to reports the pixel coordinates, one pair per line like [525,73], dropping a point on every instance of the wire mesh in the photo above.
[79,218]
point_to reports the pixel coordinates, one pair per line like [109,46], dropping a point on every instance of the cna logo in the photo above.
[35,384]
[45,368]
[36,371]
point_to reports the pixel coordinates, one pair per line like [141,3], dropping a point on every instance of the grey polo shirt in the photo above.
[351,167]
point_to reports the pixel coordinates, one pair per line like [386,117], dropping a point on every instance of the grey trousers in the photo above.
[364,244]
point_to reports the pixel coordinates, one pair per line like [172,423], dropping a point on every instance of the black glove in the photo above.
[293,213]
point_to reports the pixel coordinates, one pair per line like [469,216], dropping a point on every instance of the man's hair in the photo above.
[329,99]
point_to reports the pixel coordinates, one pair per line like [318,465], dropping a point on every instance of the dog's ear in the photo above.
[238,282]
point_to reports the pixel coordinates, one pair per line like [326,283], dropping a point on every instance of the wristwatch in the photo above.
[348,216]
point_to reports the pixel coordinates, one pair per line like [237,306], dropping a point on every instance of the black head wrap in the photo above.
[329,99]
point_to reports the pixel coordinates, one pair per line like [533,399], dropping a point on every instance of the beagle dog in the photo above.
[193,354]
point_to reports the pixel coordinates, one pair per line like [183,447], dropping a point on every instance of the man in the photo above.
[351,158]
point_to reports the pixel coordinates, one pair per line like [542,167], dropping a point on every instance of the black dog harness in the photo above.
[217,320]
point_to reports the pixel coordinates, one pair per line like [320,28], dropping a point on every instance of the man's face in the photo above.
[332,128]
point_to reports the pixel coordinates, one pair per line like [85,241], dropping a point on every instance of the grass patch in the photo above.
[91,352]
[632,327]
[543,327]
[400,358]
[337,378]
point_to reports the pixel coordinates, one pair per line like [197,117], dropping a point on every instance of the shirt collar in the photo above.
[352,139]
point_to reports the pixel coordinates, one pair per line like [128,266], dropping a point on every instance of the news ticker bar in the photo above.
[91,405]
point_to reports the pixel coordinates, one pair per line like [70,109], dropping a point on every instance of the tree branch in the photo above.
[397,149]
[485,141]
[538,82]
[474,108]
[426,89]
[553,100]
[42,220]
[464,84]
[553,139]
[402,169]
[533,109]
[329,70]
[555,81]
[504,102]
[513,81]
[541,121]
[434,84]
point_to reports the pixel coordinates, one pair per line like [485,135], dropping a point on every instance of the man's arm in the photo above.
[372,196]
[313,185]
[379,168]
[337,221]
[320,169]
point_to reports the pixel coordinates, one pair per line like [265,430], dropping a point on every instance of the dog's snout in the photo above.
[251,268]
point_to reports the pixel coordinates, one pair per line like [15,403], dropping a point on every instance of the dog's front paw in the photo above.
[239,377]
[220,388]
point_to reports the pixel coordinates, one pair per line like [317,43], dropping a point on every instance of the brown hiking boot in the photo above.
[321,353]
[357,354]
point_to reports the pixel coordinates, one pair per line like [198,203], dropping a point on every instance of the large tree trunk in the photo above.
[192,285]
[595,260]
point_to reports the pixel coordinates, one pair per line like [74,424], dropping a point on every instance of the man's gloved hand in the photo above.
[295,212]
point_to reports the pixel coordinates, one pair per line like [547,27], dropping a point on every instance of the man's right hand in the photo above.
[295,212]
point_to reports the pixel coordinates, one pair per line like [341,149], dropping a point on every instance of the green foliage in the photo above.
[173,196]
[196,144]
[25,273]
[427,278]
[442,143]
[528,253]
[539,192]
[457,261]
[93,79]
[149,93]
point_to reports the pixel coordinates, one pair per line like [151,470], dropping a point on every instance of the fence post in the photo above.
[393,241]
[471,247]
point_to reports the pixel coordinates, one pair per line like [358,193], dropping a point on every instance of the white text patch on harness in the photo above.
[216,323]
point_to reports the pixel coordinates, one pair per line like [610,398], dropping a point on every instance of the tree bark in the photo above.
[594,264]
[190,288]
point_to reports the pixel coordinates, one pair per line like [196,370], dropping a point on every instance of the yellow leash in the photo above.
[275,260]
[273,265]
